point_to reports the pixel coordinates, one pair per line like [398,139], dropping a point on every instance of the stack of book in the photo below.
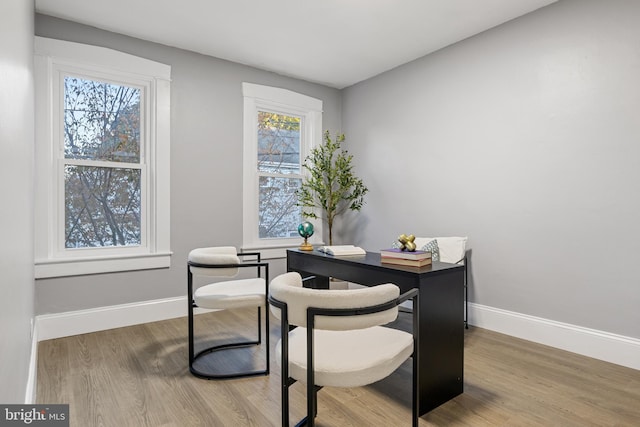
[400,257]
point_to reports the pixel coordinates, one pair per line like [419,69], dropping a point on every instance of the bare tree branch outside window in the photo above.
[279,170]
[102,203]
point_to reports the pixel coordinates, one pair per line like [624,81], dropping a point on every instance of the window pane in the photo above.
[279,215]
[278,143]
[101,121]
[102,207]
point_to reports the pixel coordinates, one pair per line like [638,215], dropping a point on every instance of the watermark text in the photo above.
[34,415]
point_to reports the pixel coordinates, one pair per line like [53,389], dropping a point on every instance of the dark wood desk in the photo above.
[441,311]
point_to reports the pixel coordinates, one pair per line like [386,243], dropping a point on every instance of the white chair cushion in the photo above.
[220,255]
[348,358]
[288,289]
[231,294]
[452,249]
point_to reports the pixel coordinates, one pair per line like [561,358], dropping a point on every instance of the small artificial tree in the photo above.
[331,185]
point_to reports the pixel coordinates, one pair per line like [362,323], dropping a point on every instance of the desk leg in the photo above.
[441,340]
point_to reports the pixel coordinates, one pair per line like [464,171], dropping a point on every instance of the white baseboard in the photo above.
[613,348]
[605,346]
[32,378]
[70,323]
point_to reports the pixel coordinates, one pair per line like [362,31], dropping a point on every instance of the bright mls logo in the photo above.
[34,415]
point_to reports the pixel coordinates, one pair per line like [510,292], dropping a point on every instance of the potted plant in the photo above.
[331,185]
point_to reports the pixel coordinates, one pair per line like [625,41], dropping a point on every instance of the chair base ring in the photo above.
[210,376]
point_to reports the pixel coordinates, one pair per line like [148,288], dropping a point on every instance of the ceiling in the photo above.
[333,42]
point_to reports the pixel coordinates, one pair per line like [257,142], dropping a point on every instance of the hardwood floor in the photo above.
[138,376]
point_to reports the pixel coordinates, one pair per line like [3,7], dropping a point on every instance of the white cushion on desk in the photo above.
[452,249]
[231,294]
[348,358]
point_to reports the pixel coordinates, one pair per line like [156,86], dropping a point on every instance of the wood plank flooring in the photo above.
[138,376]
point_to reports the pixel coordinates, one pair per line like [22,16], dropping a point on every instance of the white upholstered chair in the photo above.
[338,340]
[224,262]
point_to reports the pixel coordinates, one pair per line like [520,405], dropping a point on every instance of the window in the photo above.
[101,164]
[102,160]
[280,126]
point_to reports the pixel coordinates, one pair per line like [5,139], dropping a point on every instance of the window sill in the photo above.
[83,266]
[268,252]
[275,251]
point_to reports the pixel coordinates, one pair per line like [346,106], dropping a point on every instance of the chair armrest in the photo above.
[307,281]
[257,265]
[410,294]
[318,311]
[243,254]
[239,265]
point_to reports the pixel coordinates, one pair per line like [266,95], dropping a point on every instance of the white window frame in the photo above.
[54,59]
[283,101]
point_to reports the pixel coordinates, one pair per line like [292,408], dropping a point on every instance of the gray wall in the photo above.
[526,139]
[16,193]
[206,165]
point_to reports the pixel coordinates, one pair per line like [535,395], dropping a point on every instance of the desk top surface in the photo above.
[372,260]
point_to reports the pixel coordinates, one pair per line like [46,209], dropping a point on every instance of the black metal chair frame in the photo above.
[312,389]
[191,305]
